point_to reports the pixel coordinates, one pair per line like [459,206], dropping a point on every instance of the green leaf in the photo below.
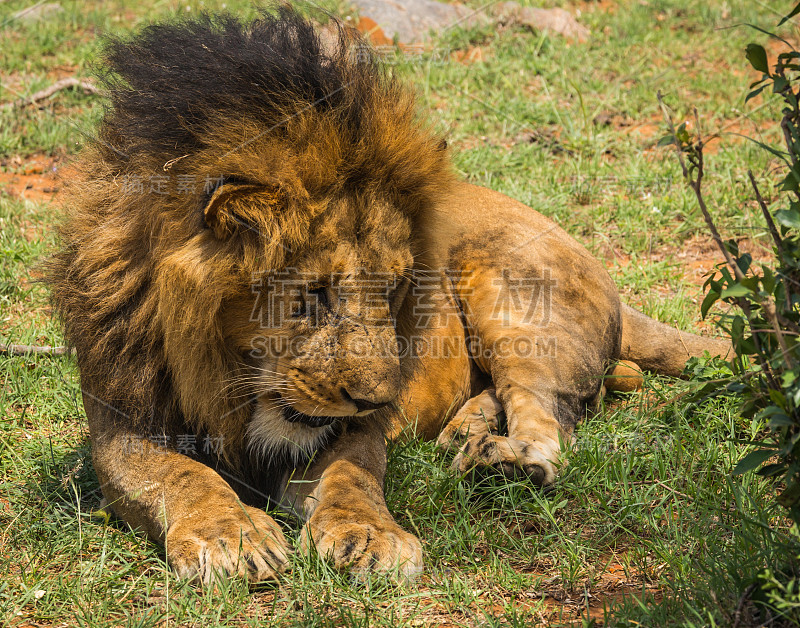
[779,84]
[768,279]
[780,420]
[754,93]
[791,14]
[788,218]
[769,411]
[745,346]
[770,470]
[790,496]
[713,283]
[753,460]
[737,327]
[710,299]
[682,134]
[757,57]
[766,32]
[782,155]
[777,397]
[790,183]
[667,140]
[736,290]
[744,261]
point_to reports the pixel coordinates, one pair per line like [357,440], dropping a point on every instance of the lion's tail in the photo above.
[659,348]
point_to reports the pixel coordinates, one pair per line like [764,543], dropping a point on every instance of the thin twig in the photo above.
[737,616]
[42,94]
[774,317]
[787,137]
[695,183]
[789,119]
[769,311]
[672,490]
[767,216]
[34,349]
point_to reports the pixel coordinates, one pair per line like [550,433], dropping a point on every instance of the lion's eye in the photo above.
[309,304]
[319,295]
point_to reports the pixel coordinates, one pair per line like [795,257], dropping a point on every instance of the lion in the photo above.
[268,269]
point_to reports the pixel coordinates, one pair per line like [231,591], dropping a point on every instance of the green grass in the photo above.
[645,519]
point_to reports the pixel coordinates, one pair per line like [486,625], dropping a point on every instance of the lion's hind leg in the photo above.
[478,417]
[530,450]
[545,361]
[475,433]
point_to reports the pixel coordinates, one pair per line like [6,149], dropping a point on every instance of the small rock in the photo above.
[38,12]
[412,20]
[555,20]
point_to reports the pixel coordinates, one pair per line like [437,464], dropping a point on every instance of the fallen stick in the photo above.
[59,85]
[33,349]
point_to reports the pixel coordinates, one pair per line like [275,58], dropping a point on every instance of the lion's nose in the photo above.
[363,404]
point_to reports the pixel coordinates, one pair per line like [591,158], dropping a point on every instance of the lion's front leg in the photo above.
[207,531]
[341,495]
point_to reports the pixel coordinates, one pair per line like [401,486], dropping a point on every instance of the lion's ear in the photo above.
[236,206]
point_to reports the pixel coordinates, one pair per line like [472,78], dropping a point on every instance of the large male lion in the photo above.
[268,268]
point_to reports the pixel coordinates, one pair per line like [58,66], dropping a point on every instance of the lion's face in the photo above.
[319,334]
[237,254]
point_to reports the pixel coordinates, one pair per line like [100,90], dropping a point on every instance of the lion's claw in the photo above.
[364,547]
[243,541]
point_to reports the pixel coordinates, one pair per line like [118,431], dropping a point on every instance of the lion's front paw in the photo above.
[365,544]
[513,458]
[241,540]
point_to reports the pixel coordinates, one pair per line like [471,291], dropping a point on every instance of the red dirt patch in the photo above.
[696,256]
[597,6]
[646,130]
[474,54]
[387,50]
[699,254]
[735,131]
[695,259]
[37,179]
[538,609]
[59,72]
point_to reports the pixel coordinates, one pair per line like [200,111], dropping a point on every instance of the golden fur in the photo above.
[324,286]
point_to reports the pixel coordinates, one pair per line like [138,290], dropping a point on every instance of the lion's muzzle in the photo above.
[293,416]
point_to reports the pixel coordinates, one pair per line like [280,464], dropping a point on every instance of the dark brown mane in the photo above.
[173,80]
